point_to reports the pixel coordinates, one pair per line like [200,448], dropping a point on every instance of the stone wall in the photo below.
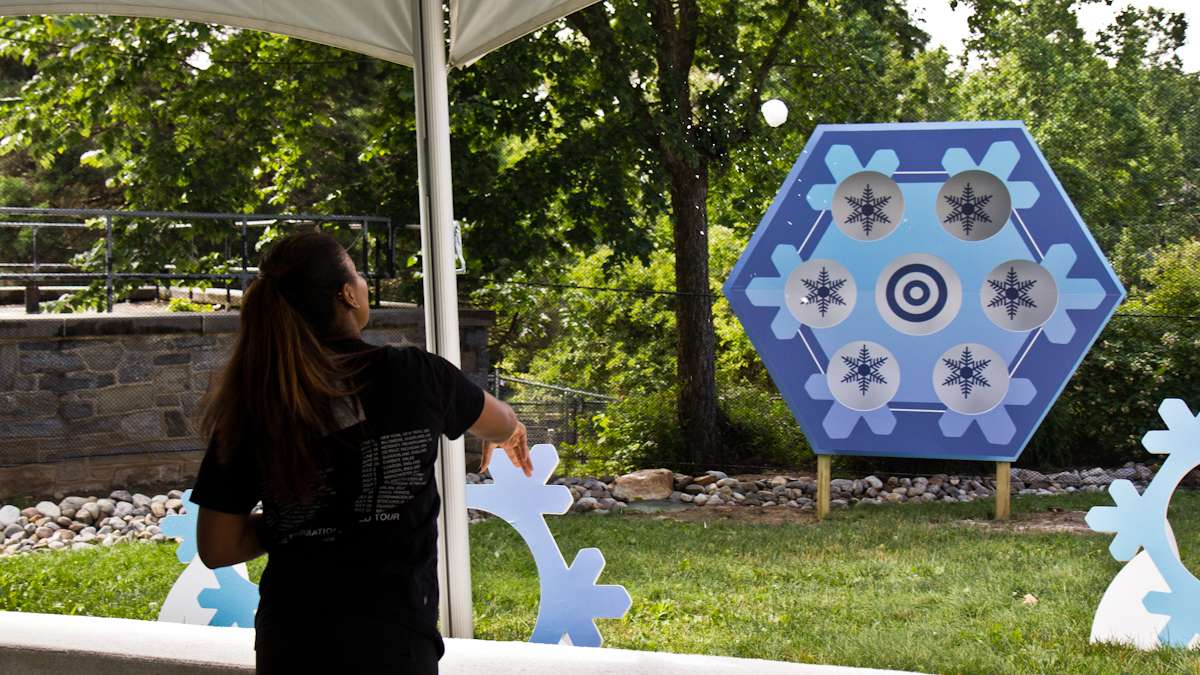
[95,403]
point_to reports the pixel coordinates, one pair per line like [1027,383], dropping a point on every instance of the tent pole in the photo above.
[441,301]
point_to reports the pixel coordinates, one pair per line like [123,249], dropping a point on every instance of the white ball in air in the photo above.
[775,112]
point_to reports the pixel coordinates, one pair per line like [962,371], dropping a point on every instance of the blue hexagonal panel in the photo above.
[922,290]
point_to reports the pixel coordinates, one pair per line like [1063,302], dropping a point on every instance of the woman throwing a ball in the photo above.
[337,439]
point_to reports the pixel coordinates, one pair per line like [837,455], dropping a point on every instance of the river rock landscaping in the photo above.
[82,522]
[716,488]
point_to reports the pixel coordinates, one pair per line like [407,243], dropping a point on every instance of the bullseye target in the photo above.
[918,294]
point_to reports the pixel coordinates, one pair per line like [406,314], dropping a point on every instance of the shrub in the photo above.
[641,430]
[1150,351]
[186,305]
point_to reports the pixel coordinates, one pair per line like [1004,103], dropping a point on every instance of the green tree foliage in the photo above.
[622,147]
[1149,352]
[1116,120]
[621,342]
[1115,117]
[271,125]
[676,87]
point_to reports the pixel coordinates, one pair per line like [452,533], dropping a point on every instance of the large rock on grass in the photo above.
[645,484]
[9,515]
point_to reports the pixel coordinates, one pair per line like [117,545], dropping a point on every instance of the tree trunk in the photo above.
[696,341]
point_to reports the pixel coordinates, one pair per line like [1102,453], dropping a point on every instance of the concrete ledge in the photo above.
[200,323]
[51,643]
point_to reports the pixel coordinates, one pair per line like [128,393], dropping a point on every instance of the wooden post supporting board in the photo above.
[1003,490]
[824,476]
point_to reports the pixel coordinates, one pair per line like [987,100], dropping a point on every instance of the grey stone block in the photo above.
[192,341]
[172,378]
[40,346]
[95,425]
[10,355]
[127,397]
[226,322]
[60,383]
[170,358]
[210,358]
[137,325]
[135,373]
[143,426]
[33,428]
[177,425]
[101,354]
[32,328]
[74,410]
[28,404]
[51,362]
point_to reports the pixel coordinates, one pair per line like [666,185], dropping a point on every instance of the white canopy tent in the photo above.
[410,32]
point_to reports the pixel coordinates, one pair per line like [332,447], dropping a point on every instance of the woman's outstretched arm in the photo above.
[499,427]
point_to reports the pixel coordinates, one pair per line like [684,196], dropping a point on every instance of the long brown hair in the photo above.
[276,395]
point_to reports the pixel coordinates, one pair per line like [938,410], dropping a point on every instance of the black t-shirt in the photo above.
[367,545]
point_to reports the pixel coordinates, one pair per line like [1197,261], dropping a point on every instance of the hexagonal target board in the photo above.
[922,290]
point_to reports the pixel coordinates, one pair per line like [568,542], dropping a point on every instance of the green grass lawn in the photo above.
[911,587]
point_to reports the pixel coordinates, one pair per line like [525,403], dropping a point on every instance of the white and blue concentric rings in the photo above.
[918,294]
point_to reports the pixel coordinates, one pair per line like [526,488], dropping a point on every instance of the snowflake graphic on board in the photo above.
[868,209]
[824,291]
[1012,293]
[864,370]
[966,372]
[968,209]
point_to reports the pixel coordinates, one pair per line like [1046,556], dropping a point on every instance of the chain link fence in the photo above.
[560,416]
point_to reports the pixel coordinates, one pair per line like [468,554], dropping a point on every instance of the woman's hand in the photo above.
[515,446]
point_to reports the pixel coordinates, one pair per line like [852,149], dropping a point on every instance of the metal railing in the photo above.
[382,269]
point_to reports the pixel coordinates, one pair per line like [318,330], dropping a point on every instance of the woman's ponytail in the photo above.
[276,396]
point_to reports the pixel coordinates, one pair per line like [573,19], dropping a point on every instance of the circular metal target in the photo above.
[820,293]
[1019,295]
[867,206]
[970,378]
[918,294]
[973,205]
[863,375]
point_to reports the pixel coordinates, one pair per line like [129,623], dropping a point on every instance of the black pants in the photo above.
[341,644]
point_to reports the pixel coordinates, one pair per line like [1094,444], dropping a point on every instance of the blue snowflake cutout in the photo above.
[1140,521]
[999,160]
[840,421]
[576,585]
[1073,294]
[843,162]
[570,599]
[183,526]
[768,291]
[996,424]
[235,599]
